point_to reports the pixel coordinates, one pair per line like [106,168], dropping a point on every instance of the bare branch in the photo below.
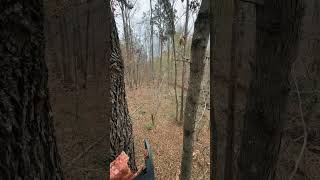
[124,2]
[305,133]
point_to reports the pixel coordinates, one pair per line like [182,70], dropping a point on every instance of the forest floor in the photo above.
[167,135]
[81,133]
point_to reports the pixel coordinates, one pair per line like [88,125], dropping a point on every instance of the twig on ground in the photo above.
[131,114]
[305,133]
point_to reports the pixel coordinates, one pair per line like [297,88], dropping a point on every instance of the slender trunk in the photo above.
[67,47]
[278,30]
[184,58]
[168,60]
[198,52]
[85,68]
[175,77]
[63,49]
[151,39]
[229,149]
[182,90]
[160,74]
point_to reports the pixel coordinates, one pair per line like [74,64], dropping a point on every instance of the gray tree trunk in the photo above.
[151,39]
[198,50]
[278,29]
[28,147]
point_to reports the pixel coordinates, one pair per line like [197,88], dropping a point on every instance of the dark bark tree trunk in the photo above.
[213,127]
[198,50]
[121,137]
[85,67]
[28,147]
[229,149]
[278,29]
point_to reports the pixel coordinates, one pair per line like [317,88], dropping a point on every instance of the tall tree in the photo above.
[278,26]
[213,127]
[121,137]
[151,40]
[198,51]
[185,39]
[229,149]
[170,27]
[28,144]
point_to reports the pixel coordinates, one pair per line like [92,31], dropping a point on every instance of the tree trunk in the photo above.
[121,137]
[198,51]
[229,149]
[151,39]
[175,78]
[28,144]
[168,61]
[85,67]
[160,74]
[278,31]
[213,127]
[183,58]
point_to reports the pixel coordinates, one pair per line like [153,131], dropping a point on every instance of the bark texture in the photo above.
[198,49]
[213,124]
[28,147]
[121,137]
[278,29]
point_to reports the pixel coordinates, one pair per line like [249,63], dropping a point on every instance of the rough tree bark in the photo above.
[278,29]
[121,137]
[213,127]
[198,50]
[28,145]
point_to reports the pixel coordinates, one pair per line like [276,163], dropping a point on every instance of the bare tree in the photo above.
[185,39]
[151,40]
[198,50]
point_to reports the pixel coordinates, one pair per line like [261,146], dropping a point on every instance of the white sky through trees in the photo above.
[141,26]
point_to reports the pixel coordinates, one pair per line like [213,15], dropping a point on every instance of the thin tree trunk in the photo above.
[198,52]
[151,39]
[175,78]
[229,149]
[182,90]
[278,30]
[28,147]
[184,56]
[63,49]
[85,68]
[160,74]
[168,61]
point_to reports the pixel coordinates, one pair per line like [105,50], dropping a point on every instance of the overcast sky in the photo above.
[142,6]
